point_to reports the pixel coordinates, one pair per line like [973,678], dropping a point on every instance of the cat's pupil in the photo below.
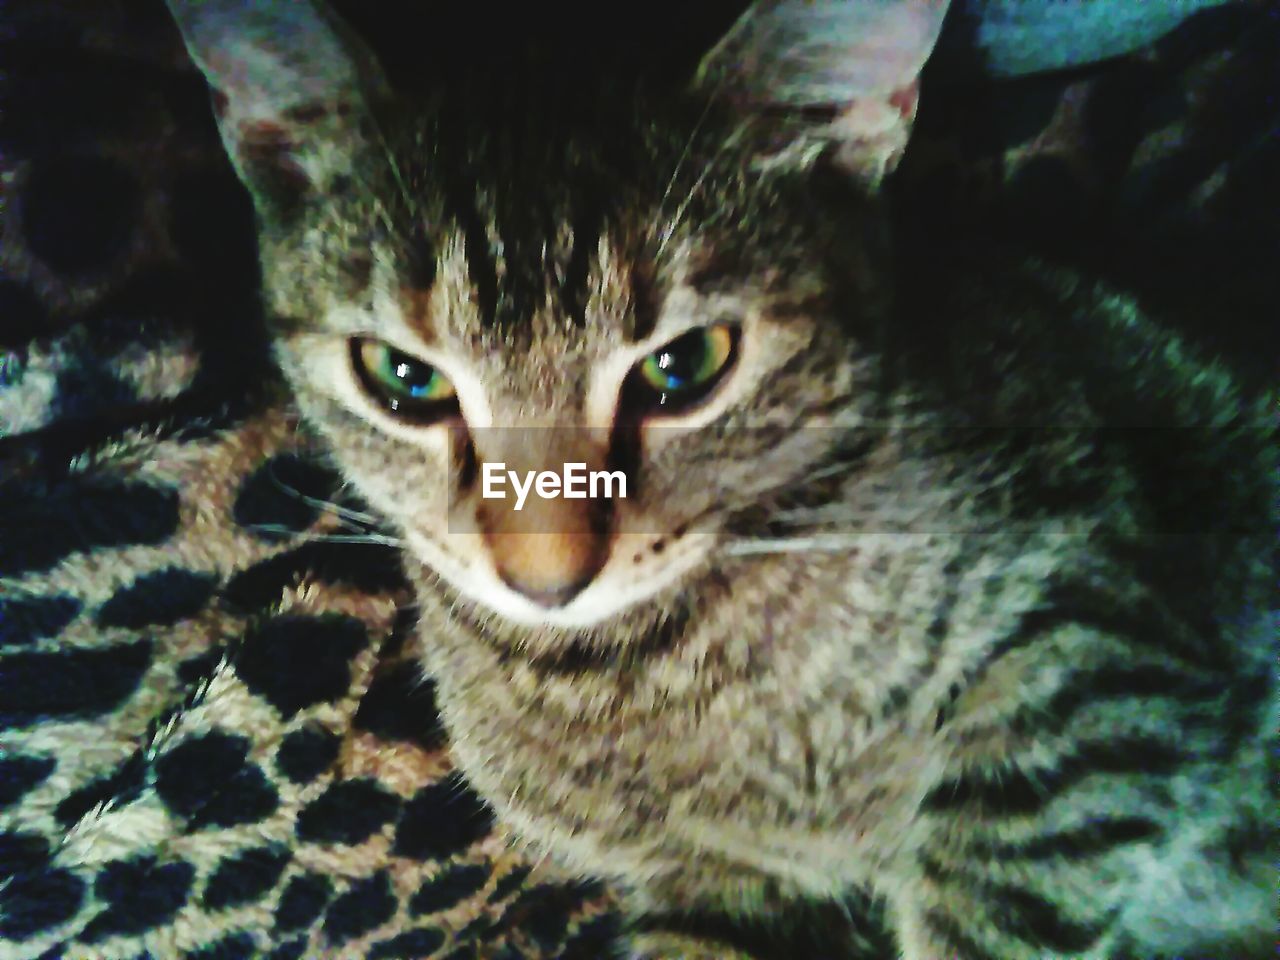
[415,377]
[683,360]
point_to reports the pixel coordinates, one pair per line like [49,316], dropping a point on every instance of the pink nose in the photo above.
[548,568]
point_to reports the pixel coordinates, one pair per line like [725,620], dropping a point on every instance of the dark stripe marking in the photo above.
[1034,920]
[482,271]
[1006,791]
[1093,839]
[1063,607]
[588,222]
[1020,913]
[1140,624]
[1111,682]
[962,947]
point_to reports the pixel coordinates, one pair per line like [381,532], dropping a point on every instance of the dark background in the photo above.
[426,44]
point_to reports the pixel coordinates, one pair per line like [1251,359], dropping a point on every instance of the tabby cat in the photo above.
[939,619]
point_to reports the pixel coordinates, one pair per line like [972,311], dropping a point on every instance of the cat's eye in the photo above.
[684,371]
[403,384]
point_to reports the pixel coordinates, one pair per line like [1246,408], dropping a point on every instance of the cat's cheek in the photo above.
[407,488]
[448,556]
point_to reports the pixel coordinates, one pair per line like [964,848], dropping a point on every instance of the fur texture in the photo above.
[954,601]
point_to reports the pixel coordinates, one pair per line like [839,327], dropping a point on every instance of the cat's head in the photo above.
[677,290]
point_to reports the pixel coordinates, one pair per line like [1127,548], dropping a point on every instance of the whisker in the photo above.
[376,539]
[684,155]
[678,217]
[833,470]
[833,543]
[407,196]
[346,513]
[328,506]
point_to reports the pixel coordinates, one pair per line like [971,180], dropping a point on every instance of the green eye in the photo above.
[403,384]
[684,370]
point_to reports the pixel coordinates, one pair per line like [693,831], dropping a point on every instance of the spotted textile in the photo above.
[212,742]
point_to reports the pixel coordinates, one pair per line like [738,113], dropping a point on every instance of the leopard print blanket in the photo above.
[213,740]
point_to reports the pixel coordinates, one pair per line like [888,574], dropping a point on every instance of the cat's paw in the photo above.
[673,946]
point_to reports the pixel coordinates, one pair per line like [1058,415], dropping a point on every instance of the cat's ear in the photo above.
[840,75]
[291,89]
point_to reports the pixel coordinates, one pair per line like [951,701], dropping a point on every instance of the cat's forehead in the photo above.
[548,225]
[494,295]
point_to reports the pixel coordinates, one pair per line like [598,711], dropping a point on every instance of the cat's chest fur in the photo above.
[784,731]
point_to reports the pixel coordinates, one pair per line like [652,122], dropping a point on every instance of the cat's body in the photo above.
[943,694]
[954,591]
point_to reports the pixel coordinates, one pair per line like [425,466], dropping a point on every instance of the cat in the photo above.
[942,598]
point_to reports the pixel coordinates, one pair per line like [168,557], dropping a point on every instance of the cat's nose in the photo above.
[548,568]
[543,545]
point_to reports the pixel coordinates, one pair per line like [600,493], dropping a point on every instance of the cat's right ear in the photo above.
[291,90]
[839,77]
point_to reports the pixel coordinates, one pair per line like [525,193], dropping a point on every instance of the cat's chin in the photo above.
[598,606]
[579,614]
[610,600]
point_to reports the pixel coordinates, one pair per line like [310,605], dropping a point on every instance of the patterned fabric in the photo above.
[212,741]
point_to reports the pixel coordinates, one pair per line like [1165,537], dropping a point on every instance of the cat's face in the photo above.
[669,315]
[667,291]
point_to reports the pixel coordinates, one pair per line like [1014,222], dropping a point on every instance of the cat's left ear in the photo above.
[841,76]
[291,90]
